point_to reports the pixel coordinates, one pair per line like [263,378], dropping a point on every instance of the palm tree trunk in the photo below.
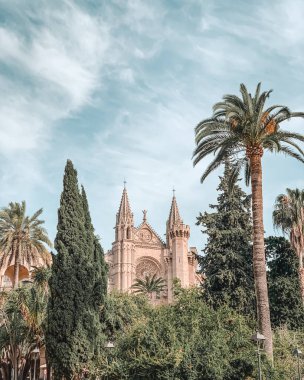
[48,370]
[16,273]
[17,266]
[301,276]
[15,365]
[259,261]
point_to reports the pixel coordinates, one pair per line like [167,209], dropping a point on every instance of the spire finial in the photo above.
[125,182]
[124,213]
[145,215]
[173,190]
[174,217]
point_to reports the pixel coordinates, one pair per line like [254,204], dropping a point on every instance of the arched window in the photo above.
[128,233]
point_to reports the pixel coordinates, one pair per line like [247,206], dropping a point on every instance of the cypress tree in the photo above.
[73,327]
[99,280]
[283,282]
[227,259]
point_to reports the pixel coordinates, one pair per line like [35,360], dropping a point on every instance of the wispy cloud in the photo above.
[58,57]
[118,88]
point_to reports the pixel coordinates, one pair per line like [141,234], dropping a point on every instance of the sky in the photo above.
[118,86]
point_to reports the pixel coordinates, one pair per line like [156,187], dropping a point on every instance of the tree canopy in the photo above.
[149,285]
[227,256]
[288,215]
[284,293]
[240,129]
[74,327]
[22,238]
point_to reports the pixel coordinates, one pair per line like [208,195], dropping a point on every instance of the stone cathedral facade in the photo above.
[139,251]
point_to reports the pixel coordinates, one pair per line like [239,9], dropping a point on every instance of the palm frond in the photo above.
[290,152]
[288,215]
[21,236]
[257,93]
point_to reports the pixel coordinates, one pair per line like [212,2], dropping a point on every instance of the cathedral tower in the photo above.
[123,246]
[139,252]
[177,240]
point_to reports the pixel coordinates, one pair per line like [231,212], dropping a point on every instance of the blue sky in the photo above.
[118,86]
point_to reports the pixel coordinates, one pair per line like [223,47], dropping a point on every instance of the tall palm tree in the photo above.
[149,285]
[22,238]
[288,215]
[240,129]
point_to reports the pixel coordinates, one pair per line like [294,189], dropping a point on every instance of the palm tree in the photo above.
[240,130]
[41,276]
[12,334]
[288,215]
[149,285]
[22,238]
[22,324]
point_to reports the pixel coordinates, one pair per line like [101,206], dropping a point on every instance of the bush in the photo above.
[185,340]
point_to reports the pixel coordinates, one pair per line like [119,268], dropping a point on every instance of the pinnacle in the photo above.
[124,213]
[174,217]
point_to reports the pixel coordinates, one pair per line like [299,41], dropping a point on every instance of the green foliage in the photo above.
[285,363]
[241,124]
[99,278]
[22,238]
[22,315]
[121,311]
[240,129]
[284,294]
[185,340]
[74,329]
[227,260]
[13,331]
[288,215]
[149,285]
[41,276]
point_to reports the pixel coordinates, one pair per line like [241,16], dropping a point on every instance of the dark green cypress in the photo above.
[284,293]
[99,280]
[227,259]
[73,324]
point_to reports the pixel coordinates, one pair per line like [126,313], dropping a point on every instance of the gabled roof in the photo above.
[145,224]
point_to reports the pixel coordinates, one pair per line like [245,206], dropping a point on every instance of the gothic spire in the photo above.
[124,214]
[174,217]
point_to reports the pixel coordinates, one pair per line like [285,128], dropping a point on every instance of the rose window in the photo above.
[147,268]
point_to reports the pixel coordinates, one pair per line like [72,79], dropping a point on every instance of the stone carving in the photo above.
[145,235]
[144,215]
[147,267]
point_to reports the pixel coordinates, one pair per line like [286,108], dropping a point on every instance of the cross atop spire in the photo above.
[124,213]
[174,217]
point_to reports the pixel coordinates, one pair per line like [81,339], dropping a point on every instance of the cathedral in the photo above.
[138,252]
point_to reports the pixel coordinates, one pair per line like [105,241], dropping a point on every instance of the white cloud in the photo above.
[271,26]
[62,62]
[161,70]
[127,75]
[10,45]
[285,21]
